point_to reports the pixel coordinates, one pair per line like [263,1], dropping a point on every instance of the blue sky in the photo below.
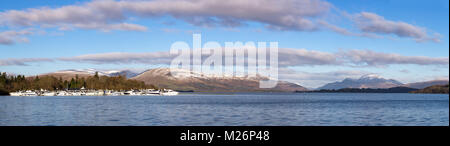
[49,40]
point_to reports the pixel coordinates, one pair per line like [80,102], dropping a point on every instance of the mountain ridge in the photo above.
[184,80]
[425,84]
[193,81]
[366,81]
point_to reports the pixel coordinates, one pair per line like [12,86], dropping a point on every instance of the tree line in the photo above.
[11,83]
[436,89]
[363,90]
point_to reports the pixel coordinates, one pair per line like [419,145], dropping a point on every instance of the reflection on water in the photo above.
[239,109]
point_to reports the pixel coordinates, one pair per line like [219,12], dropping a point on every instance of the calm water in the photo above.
[238,109]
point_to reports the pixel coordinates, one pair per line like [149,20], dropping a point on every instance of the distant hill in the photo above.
[162,78]
[65,76]
[72,73]
[436,89]
[421,85]
[366,90]
[126,73]
[367,81]
[10,83]
[198,82]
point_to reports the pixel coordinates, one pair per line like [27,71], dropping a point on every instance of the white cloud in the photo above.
[109,27]
[11,37]
[92,15]
[22,61]
[377,59]
[373,23]
[123,58]
[346,32]
[281,14]
[287,57]
[300,57]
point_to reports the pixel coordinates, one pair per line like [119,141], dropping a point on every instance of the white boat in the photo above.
[49,93]
[133,93]
[76,93]
[168,92]
[100,93]
[116,94]
[62,93]
[18,93]
[142,92]
[136,93]
[90,93]
[108,92]
[127,92]
[95,93]
[29,93]
[152,92]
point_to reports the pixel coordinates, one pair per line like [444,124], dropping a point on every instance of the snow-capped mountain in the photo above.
[83,71]
[126,73]
[186,80]
[67,74]
[188,74]
[366,81]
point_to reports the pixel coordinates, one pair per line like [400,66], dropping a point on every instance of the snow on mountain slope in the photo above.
[366,81]
[186,80]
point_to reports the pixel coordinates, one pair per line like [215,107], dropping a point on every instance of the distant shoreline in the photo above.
[437,89]
[275,93]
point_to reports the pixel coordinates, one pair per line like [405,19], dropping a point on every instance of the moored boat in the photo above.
[168,92]
[48,93]
[133,92]
[62,93]
[29,93]
[18,93]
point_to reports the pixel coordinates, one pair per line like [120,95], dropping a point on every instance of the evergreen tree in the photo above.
[20,82]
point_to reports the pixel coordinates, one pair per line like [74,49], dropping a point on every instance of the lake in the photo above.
[251,109]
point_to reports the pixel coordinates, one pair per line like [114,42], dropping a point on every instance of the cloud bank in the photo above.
[110,15]
[123,58]
[372,58]
[22,61]
[282,15]
[11,37]
[287,58]
[373,23]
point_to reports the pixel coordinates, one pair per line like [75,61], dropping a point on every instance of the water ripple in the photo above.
[240,109]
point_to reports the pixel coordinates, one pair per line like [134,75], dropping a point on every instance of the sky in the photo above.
[320,41]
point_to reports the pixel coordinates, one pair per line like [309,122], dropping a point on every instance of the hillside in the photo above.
[421,85]
[365,90]
[185,80]
[367,81]
[85,73]
[11,83]
[436,89]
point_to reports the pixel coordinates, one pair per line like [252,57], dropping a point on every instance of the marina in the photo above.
[85,92]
